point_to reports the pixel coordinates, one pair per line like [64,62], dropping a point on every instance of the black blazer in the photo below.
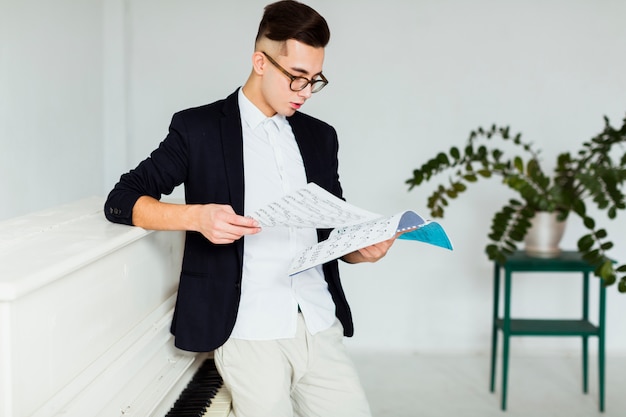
[204,151]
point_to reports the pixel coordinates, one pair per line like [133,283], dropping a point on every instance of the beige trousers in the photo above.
[307,376]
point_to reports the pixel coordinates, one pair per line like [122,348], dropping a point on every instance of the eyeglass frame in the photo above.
[294,77]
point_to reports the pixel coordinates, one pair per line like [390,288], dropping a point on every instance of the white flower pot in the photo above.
[544,236]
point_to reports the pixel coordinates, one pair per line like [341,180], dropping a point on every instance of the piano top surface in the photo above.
[38,248]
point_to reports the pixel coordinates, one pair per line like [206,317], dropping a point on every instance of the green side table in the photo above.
[567,261]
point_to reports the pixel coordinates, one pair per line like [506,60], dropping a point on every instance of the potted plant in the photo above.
[594,174]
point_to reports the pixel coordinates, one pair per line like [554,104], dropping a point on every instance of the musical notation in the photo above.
[354,228]
[311,206]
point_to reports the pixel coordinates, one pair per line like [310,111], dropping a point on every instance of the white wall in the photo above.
[50,103]
[407,79]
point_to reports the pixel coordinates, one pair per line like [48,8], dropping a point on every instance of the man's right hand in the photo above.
[217,222]
[221,225]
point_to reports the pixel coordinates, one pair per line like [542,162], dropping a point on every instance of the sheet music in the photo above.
[354,228]
[348,239]
[311,206]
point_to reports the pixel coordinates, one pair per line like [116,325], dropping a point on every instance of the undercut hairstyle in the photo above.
[289,19]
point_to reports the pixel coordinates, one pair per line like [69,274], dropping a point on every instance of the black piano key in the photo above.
[195,399]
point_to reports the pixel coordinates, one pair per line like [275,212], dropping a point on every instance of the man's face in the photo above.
[301,61]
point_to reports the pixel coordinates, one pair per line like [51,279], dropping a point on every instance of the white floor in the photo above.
[414,385]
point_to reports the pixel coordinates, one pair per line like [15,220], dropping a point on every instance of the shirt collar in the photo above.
[253,117]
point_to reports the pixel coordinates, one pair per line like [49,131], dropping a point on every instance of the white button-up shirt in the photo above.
[270,298]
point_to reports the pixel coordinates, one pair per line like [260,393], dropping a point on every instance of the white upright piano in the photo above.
[85,310]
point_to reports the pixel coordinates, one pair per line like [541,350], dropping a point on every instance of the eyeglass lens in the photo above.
[300,83]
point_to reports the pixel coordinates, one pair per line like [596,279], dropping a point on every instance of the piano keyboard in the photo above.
[204,396]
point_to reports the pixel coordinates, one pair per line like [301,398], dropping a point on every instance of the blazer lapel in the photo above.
[308,149]
[232,144]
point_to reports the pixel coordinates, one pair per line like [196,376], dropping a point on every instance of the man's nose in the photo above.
[306,91]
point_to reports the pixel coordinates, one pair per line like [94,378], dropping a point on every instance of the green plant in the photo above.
[594,174]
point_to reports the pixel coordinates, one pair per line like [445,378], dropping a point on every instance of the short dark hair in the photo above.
[289,19]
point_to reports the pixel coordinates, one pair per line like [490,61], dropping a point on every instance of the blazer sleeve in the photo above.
[159,174]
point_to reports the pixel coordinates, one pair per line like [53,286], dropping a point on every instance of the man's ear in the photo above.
[258,62]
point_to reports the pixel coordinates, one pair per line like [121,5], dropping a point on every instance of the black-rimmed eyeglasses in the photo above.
[299,83]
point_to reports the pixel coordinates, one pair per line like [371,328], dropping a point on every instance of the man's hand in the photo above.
[221,225]
[217,222]
[372,253]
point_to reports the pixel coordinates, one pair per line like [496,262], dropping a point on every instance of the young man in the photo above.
[277,339]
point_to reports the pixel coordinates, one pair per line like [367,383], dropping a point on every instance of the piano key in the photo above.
[204,395]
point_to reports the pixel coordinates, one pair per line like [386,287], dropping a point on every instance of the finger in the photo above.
[377,250]
[243,221]
[231,227]
[372,252]
[241,225]
[224,237]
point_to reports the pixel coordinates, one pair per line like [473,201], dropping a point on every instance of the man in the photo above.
[277,339]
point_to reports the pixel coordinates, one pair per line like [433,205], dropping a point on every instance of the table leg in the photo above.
[585,338]
[506,327]
[494,327]
[601,358]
